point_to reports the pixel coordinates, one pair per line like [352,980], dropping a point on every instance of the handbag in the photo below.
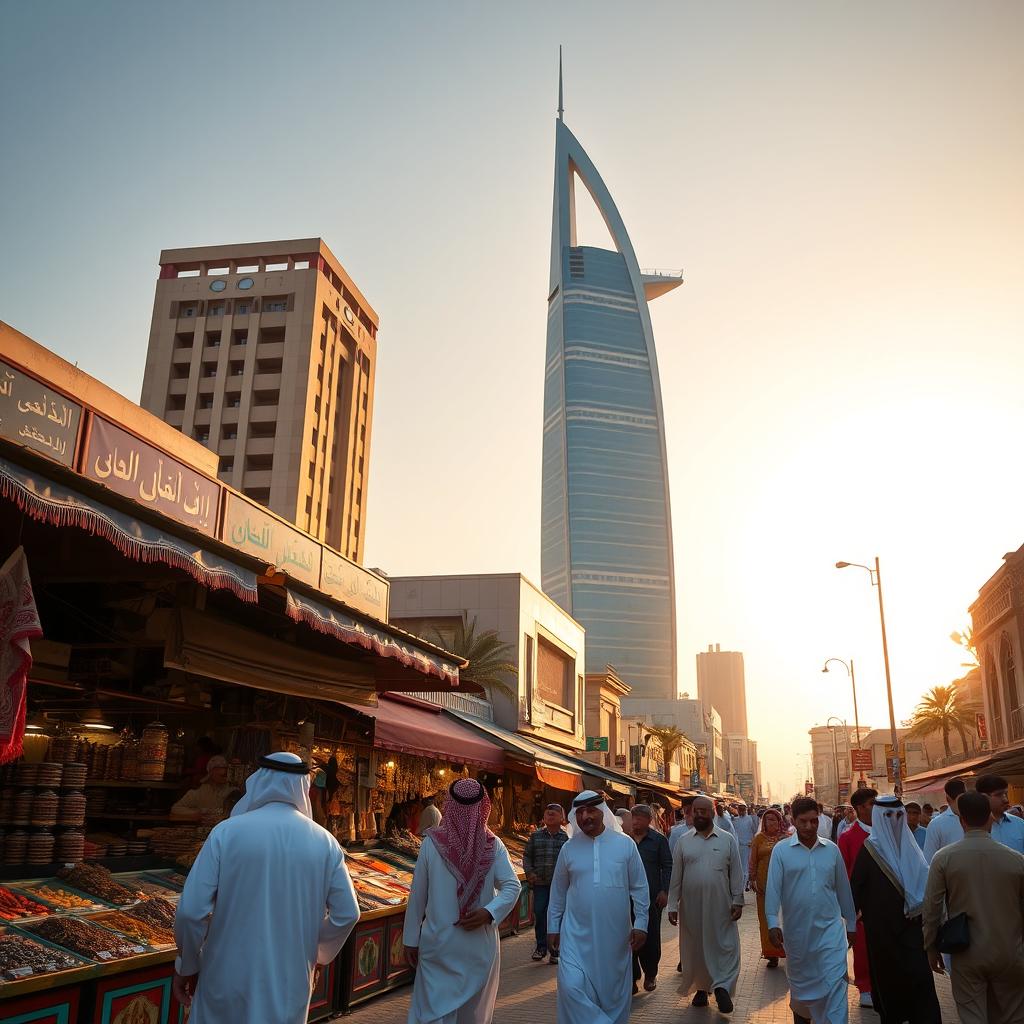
[954,935]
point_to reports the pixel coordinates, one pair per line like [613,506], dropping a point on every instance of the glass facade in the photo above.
[606,523]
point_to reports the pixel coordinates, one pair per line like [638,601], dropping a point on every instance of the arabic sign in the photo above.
[354,586]
[137,470]
[33,416]
[255,531]
[863,760]
[597,743]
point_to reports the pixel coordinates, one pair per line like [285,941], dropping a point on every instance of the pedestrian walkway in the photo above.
[527,993]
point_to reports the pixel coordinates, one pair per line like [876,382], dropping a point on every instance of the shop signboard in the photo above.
[255,531]
[138,471]
[895,761]
[862,760]
[620,760]
[979,719]
[597,743]
[353,585]
[36,417]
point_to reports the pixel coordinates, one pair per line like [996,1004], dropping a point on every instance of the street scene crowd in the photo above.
[913,890]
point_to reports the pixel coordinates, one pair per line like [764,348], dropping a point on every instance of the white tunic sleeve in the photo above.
[736,880]
[773,897]
[675,887]
[639,891]
[559,887]
[417,903]
[844,893]
[196,905]
[342,911]
[506,882]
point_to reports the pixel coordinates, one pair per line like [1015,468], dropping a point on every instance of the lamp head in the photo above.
[842,565]
[825,669]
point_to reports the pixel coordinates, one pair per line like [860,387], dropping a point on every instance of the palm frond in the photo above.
[489,657]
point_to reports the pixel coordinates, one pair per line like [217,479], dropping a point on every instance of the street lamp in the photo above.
[856,718]
[876,581]
[835,754]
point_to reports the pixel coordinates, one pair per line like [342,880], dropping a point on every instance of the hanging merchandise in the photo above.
[152,757]
[19,623]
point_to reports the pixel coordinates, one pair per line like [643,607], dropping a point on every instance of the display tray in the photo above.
[109,946]
[61,961]
[11,911]
[77,902]
[80,975]
[122,924]
[152,884]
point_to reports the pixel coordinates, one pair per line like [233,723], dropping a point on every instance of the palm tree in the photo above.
[488,655]
[671,738]
[942,709]
[965,638]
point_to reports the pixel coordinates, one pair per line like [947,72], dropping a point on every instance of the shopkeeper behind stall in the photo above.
[207,799]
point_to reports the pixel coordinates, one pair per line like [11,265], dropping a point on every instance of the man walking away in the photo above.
[917,830]
[984,880]
[723,819]
[888,889]
[685,823]
[706,900]
[744,826]
[464,886]
[267,900]
[945,828]
[848,819]
[539,865]
[824,823]
[657,861]
[849,847]
[430,816]
[807,903]
[598,873]
[1006,828]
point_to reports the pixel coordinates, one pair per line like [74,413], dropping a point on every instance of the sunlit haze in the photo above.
[840,183]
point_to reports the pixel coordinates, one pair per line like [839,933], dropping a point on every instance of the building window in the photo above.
[268,365]
[234,401]
[188,311]
[242,308]
[213,339]
[315,436]
[209,369]
[239,337]
[184,340]
[206,401]
[202,436]
[262,429]
[237,368]
[230,433]
[555,672]
[275,306]
[215,309]
[176,403]
[261,495]
[227,464]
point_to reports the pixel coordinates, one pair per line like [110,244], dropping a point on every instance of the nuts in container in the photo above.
[20,957]
[84,938]
[98,881]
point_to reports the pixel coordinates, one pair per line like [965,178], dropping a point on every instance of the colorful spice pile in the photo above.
[138,931]
[81,937]
[98,881]
[22,958]
[13,906]
[63,899]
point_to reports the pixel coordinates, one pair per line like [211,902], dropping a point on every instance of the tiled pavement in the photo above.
[527,993]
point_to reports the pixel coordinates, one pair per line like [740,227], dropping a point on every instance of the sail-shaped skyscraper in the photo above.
[606,524]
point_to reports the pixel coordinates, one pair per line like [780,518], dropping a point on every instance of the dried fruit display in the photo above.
[87,939]
[138,931]
[63,899]
[22,958]
[14,906]
[98,881]
[156,911]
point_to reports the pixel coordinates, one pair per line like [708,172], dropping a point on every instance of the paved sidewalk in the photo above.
[527,993]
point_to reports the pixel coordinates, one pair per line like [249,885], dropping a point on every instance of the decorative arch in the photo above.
[1008,671]
[991,678]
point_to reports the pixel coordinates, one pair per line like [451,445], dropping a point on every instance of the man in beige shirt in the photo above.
[985,880]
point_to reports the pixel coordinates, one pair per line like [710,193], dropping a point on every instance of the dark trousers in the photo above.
[649,957]
[541,895]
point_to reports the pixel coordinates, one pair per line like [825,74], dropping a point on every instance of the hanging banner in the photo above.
[252,529]
[36,417]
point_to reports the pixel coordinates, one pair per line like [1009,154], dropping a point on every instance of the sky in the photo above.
[841,184]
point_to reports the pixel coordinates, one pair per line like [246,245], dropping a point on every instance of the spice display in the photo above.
[22,958]
[138,931]
[154,889]
[63,899]
[82,937]
[13,906]
[157,911]
[98,881]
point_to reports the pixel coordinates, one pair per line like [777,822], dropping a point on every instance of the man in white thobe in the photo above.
[267,900]
[464,886]
[706,900]
[745,827]
[806,904]
[598,872]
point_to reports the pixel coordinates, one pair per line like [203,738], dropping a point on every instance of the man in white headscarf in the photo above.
[598,872]
[888,883]
[463,888]
[268,899]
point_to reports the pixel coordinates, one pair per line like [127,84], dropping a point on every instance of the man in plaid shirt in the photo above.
[539,865]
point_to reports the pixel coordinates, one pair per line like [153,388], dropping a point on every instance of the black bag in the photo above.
[954,935]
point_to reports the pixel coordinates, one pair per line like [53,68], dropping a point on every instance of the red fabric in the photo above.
[850,843]
[19,623]
[465,842]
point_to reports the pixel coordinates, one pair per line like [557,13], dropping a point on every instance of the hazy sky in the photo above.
[840,182]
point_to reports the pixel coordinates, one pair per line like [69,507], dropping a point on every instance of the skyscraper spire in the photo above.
[561,109]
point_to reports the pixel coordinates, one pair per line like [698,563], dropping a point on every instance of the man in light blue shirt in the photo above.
[945,828]
[917,830]
[1006,828]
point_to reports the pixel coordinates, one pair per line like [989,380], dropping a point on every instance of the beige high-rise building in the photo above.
[266,353]
[721,682]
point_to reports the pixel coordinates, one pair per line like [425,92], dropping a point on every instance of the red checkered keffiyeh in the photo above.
[19,623]
[464,841]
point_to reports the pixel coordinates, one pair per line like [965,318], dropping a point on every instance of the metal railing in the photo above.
[463,702]
[653,272]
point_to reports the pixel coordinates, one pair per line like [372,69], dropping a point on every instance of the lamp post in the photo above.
[876,581]
[835,753]
[856,717]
